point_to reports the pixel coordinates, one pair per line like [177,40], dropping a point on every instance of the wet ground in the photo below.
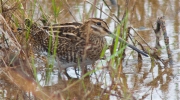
[149,81]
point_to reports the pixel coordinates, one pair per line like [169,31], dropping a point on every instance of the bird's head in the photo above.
[97,27]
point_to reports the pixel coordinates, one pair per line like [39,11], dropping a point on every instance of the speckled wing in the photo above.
[70,45]
[37,36]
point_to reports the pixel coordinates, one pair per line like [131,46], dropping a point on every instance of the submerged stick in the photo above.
[166,39]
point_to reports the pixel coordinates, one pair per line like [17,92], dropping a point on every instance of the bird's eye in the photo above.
[98,23]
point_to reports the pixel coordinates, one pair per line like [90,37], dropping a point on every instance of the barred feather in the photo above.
[75,40]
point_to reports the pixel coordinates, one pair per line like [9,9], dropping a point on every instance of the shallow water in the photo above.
[149,82]
[152,81]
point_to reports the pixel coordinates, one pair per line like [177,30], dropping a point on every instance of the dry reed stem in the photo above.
[102,11]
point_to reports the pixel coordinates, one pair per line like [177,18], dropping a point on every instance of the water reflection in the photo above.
[147,81]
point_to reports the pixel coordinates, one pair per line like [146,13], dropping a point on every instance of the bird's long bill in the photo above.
[129,45]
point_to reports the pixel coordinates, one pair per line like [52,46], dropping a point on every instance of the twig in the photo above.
[166,39]
[156,31]
[84,5]
[153,54]
[11,32]
[93,8]
[69,9]
[103,12]
[126,9]
[2,10]
[133,11]
[140,37]
[113,14]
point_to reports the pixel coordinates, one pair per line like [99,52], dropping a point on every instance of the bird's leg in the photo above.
[76,69]
[93,66]
[62,70]
[85,69]
[82,70]
[67,75]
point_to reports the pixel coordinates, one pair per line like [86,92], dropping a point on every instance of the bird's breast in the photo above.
[96,48]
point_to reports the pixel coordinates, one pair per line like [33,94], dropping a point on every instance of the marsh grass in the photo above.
[17,18]
[84,89]
[56,9]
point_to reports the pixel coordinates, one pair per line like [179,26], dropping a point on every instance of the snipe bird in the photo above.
[76,42]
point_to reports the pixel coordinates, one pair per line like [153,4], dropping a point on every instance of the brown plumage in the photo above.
[77,42]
